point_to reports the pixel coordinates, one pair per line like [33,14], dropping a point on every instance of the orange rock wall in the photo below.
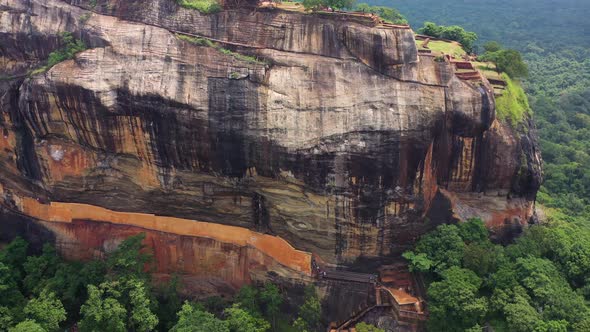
[204,265]
[272,246]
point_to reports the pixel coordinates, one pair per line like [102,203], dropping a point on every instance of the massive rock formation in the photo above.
[333,134]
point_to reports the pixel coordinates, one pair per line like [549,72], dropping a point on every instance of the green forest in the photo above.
[44,293]
[540,283]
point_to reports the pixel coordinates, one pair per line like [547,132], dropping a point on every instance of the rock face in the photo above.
[333,134]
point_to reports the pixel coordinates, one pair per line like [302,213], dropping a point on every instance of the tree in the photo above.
[6,319]
[300,325]
[483,258]
[130,258]
[454,32]
[418,262]
[310,312]
[431,29]
[102,312]
[473,230]
[27,326]
[507,61]
[47,310]
[492,46]
[454,302]
[247,297]
[364,327]
[169,304]
[388,14]
[457,33]
[511,63]
[13,256]
[191,319]
[141,318]
[272,300]
[443,248]
[11,299]
[70,283]
[324,4]
[582,325]
[70,46]
[475,328]
[39,269]
[521,316]
[242,321]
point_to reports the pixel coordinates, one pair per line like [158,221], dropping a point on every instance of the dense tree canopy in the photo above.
[453,32]
[364,327]
[327,4]
[539,283]
[506,61]
[454,302]
[388,14]
[192,318]
[45,293]
[310,312]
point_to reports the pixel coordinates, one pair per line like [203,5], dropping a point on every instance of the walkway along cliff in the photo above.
[322,134]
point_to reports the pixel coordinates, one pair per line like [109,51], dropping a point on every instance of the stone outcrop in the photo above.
[331,134]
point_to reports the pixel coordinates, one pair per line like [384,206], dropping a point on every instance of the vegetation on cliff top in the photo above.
[513,105]
[208,43]
[441,46]
[539,283]
[506,60]
[203,6]
[388,14]
[70,46]
[454,32]
[323,4]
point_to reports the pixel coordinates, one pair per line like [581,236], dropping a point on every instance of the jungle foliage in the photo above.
[539,283]
[203,6]
[44,293]
[453,32]
[388,14]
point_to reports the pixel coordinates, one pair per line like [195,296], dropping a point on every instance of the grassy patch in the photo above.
[241,56]
[208,43]
[196,40]
[488,69]
[439,47]
[512,106]
[203,6]
[70,47]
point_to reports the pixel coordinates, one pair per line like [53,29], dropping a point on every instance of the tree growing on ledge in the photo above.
[315,5]
[506,60]
[454,32]
[388,14]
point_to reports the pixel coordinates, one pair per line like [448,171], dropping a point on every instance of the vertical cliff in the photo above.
[325,131]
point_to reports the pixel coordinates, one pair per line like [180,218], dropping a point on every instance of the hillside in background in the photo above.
[517,23]
[553,37]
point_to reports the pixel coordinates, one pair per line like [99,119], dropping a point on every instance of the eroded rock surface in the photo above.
[340,138]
